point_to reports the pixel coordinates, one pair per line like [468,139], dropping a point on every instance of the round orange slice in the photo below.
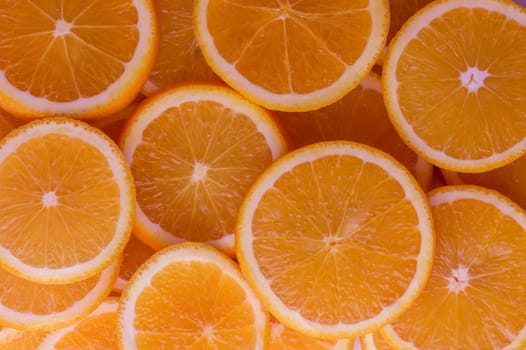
[291,55]
[25,304]
[190,295]
[67,201]
[401,11]
[96,331]
[374,341]
[82,59]
[194,151]
[12,339]
[336,239]
[359,116]
[454,83]
[475,296]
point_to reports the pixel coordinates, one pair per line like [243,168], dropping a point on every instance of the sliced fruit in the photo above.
[288,55]
[179,59]
[25,304]
[374,341]
[401,11]
[359,116]
[98,330]
[135,254]
[6,124]
[113,124]
[454,83]
[194,151]
[82,59]
[67,201]
[190,294]
[475,297]
[12,339]
[336,239]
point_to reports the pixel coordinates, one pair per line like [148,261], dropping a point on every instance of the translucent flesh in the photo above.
[81,63]
[446,115]
[87,202]
[290,47]
[326,241]
[401,11]
[26,340]
[135,254]
[93,332]
[193,304]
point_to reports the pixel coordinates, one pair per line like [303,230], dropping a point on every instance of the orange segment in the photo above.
[290,55]
[25,304]
[11,339]
[453,82]
[96,331]
[180,58]
[67,201]
[401,11]
[190,295]
[194,150]
[359,116]
[336,239]
[75,58]
[374,341]
[114,124]
[475,297]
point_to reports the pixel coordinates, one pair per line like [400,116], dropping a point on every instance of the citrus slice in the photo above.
[6,124]
[284,338]
[374,341]
[114,124]
[359,116]
[25,304]
[475,297]
[95,331]
[510,180]
[289,55]
[75,58]
[190,294]
[135,254]
[12,339]
[454,83]
[179,59]
[336,238]
[401,11]
[194,150]
[67,201]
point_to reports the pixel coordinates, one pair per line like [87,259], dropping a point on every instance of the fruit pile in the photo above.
[262,174]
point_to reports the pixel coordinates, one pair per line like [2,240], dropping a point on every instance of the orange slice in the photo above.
[135,254]
[454,83]
[96,331]
[6,124]
[194,150]
[374,341]
[284,338]
[190,295]
[336,239]
[359,116]
[67,201]
[510,180]
[289,55]
[11,339]
[475,297]
[25,304]
[180,58]
[114,124]
[401,11]
[77,58]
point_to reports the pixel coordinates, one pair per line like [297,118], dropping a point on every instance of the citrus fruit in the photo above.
[475,297]
[336,239]
[290,55]
[179,59]
[95,331]
[74,58]
[454,83]
[25,304]
[67,201]
[359,116]
[113,124]
[12,339]
[194,150]
[374,341]
[401,11]
[190,294]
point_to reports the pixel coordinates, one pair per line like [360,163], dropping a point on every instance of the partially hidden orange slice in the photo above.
[336,239]
[12,339]
[25,304]
[82,59]
[190,295]
[291,55]
[194,150]
[475,296]
[454,83]
[67,201]
[374,341]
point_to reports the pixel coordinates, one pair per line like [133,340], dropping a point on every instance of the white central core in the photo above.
[473,78]
[200,171]
[459,279]
[62,28]
[49,199]
[208,331]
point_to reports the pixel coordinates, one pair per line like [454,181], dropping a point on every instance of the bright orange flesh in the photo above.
[20,340]
[374,341]
[475,297]
[401,11]
[135,254]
